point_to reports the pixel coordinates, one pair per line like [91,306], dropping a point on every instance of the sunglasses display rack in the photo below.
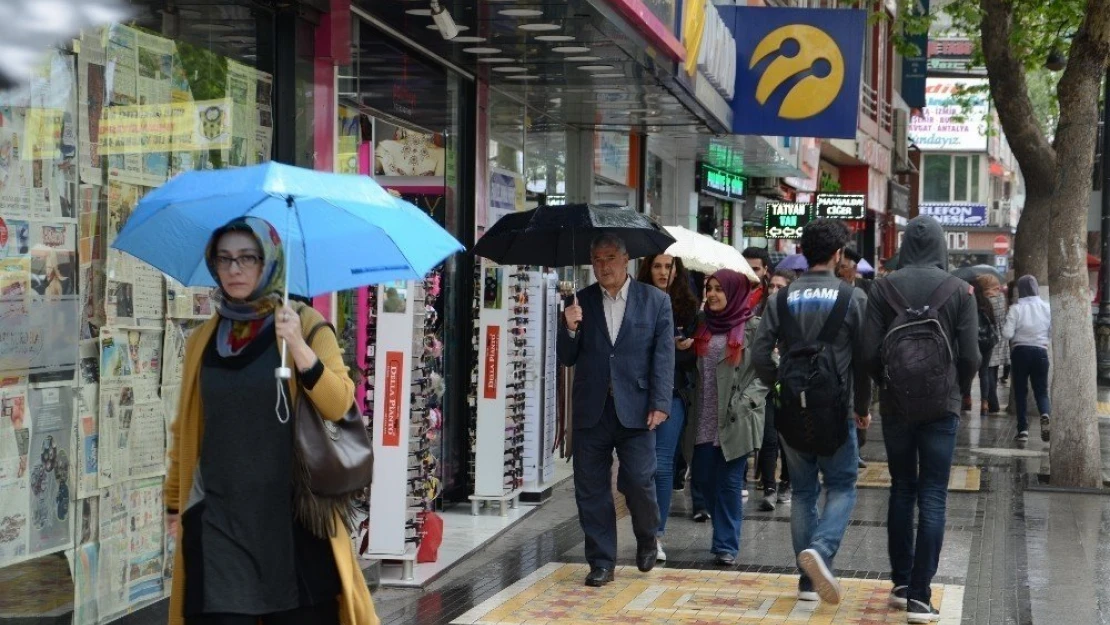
[503,371]
[399,426]
[540,315]
[472,395]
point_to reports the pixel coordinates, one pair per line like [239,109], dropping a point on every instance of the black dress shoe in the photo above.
[724,559]
[645,556]
[599,576]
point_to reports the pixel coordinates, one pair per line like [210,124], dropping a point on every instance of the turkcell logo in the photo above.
[799,70]
[803,59]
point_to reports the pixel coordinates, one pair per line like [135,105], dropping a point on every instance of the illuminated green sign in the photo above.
[721,183]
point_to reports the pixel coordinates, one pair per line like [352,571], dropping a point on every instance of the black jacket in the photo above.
[923,259]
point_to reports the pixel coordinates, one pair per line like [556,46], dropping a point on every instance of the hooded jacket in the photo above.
[1030,318]
[921,269]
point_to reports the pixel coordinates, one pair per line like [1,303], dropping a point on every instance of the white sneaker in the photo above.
[919,612]
[660,555]
[744,493]
[823,581]
[808,595]
[899,596]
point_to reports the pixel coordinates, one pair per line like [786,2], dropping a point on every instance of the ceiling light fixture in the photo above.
[608,75]
[570,49]
[583,59]
[523,77]
[460,27]
[496,59]
[520,13]
[481,50]
[510,69]
[447,28]
[420,12]
[468,39]
[554,38]
[595,68]
[539,27]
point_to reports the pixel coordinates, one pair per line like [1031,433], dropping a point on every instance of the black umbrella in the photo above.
[560,236]
[968,274]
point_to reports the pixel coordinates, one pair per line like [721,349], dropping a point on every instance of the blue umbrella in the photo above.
[794,262]
[339,231]
[864,267]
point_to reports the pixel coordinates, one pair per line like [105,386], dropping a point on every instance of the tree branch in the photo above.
[1010,94]
[1086,62]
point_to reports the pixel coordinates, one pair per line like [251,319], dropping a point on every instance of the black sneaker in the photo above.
[784,492]
[768,503]
[1022,436]
[899,597]
[1046,425]
[921,612]
[701,516]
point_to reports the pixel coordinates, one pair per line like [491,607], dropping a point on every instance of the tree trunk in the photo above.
[1030,242]
[1075,453]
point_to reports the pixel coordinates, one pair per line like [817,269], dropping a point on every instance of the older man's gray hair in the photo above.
[608,240]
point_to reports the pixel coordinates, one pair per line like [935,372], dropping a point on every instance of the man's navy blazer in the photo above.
[639,366]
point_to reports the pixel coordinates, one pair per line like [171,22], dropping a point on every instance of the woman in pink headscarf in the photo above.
[728,409]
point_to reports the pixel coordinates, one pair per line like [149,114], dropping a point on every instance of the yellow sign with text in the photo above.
[176,127]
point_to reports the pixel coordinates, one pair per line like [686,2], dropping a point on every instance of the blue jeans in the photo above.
[1030,364]
[823,532]
[667,436]
[920,458]
[721,483]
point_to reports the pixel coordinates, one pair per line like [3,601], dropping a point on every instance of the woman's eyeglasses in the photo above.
[246,261]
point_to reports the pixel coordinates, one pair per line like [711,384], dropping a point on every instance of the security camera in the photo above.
[447,28]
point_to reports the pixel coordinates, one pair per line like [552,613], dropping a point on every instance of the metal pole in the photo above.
[1102,321]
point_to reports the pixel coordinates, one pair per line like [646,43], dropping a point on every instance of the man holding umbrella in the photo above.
[619,336]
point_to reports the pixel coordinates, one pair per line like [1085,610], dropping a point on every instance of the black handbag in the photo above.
[334,462]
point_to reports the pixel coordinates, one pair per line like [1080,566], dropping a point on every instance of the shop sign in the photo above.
[915,67]
[391,424]
[875,154]
[753,231]
[611,156]
[785,220]
[899,199]
[952,214]
[720,183]
[1002,263]
[717,53]
[774,46]
[493,352]
[842,205]
[945,124]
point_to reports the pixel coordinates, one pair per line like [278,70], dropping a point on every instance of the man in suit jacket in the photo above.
[619,336]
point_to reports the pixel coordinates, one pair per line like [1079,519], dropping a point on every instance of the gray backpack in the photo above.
[917,355]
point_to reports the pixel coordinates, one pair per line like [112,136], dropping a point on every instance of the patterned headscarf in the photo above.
[241,321]
[731,321]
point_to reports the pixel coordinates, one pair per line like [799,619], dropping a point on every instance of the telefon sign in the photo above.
[954,214]
[785,220]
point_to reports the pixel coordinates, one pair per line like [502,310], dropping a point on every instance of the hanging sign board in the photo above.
[718,182]
[785,220]
[842,205]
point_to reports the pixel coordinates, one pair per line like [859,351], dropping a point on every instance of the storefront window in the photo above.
[950,178]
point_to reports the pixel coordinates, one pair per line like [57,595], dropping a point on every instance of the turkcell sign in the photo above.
[721,183]
[955,214]
[797,70]
[785,220]
[842,205]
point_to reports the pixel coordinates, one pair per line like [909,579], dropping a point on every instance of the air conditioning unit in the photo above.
[768,187]
[901,136]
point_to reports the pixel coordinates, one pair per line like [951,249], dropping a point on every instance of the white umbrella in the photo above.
[706,254]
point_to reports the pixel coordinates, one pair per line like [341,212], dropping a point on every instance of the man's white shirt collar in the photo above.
[621,294]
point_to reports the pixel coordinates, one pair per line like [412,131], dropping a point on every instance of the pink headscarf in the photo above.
[732,320]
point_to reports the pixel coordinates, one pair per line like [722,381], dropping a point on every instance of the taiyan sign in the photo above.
[945,124]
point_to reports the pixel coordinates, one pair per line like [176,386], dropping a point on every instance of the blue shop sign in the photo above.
[797,70]
[956,214]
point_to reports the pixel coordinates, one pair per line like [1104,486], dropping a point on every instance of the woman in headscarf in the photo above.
[244,555]
[728,408]
[667,274]
[1027,329]
[992,313]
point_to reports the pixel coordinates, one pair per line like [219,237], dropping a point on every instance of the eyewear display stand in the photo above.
[500,405]
[392,519]
[539,426]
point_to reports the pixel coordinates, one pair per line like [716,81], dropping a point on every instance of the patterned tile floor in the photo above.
[554,595]
[962,479]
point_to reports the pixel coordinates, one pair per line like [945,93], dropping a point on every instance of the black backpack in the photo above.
[988,334]
[917,355]
[811,396]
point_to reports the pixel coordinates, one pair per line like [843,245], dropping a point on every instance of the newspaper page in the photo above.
[132,433]
[15,492]
[133,289]
[83,565]
[51,411]
[90,256]
[184,302]
[115,549]
[92,98]
[123,94]
[88,430]
[132,532]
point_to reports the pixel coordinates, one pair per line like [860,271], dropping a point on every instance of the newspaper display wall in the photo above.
[92,340]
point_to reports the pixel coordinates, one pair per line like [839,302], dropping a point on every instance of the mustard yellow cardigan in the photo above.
[332,396]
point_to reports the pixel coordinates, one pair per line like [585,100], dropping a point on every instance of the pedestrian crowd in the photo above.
[781,371]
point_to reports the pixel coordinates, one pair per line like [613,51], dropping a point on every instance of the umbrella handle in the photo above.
[284,372]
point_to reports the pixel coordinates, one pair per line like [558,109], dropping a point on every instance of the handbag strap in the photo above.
[316,328]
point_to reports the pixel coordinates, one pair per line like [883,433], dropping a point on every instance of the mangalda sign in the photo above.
[842,205]
[785,220]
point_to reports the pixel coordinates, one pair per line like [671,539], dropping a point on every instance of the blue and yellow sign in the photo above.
[798,70]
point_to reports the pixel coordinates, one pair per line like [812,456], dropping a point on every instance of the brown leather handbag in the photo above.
[334,462]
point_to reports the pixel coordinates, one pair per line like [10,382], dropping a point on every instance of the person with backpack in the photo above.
[819,382]
[922,347]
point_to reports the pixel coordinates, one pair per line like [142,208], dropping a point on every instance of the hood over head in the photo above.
[924,244]
[1027,287]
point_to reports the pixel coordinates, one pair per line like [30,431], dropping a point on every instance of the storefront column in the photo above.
[580,166]
[685,194]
